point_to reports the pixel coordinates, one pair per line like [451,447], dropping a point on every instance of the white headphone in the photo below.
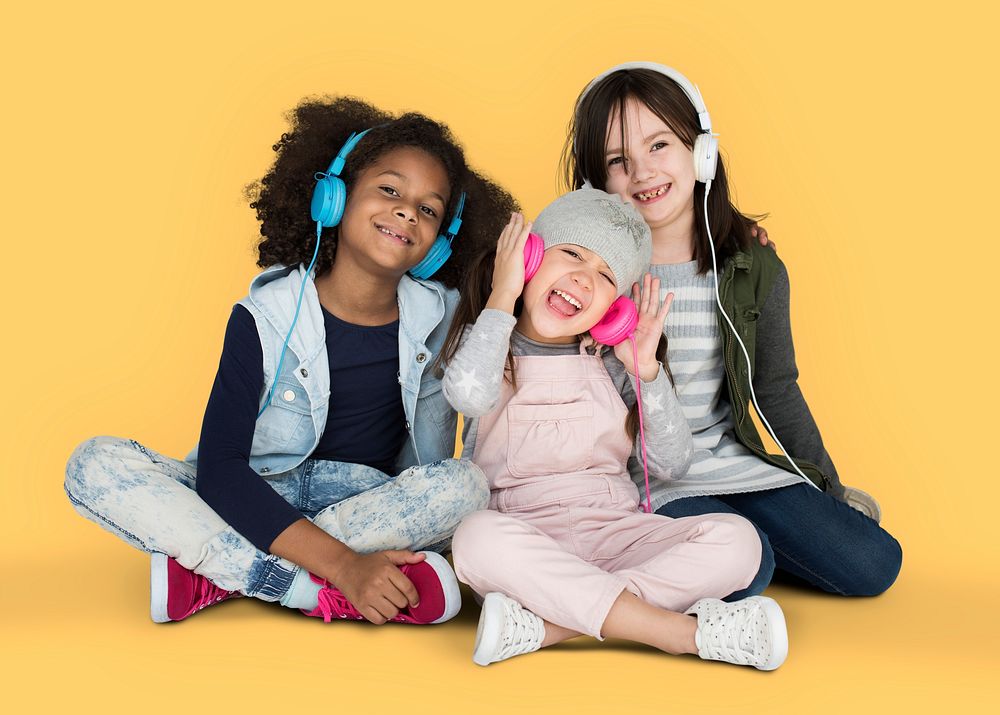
[706,157]
[706,146]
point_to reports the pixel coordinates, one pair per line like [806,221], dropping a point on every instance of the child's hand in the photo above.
[375,586]
[508,266]
[648,331]
[760,233]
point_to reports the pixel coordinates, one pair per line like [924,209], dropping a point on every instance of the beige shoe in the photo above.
[863,502]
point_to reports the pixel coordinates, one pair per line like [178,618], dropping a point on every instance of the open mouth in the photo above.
[651,194]
[392,234]
[563,303]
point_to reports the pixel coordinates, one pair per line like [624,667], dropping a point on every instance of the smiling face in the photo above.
[569,294]
[652,168]
[394,211]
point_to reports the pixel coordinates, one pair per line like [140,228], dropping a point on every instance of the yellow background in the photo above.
[866,130]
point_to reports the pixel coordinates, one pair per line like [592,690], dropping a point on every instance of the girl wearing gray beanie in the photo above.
[565,548]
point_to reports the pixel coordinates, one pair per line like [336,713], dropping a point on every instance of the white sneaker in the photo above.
[747,632]
[505,629]
[863,502]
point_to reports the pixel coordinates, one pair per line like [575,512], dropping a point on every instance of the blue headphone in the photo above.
[330,196]
[327,208]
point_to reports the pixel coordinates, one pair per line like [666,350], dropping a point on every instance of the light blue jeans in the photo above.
[150,501]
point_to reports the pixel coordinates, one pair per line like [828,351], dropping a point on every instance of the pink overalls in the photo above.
[565,534]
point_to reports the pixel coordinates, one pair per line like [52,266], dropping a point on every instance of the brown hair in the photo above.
[583,155]
[473,296]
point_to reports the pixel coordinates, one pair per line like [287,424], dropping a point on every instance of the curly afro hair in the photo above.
[319,128]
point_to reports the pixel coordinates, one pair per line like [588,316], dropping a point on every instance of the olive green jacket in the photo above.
[745,290]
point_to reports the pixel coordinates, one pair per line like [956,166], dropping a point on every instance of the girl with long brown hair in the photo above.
[642,131]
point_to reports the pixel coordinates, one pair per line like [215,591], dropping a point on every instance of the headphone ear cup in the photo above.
[328,201]
[534,249]
[441,249]
[617,324]
[706,157]
[435,258]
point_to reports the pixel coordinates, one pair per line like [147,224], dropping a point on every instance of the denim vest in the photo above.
[289,430]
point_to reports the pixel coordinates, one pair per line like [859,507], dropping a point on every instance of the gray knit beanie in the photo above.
[604,224]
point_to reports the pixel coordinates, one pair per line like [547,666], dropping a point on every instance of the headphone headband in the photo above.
[337,165]
[456,221]
[706,146]
[690,89]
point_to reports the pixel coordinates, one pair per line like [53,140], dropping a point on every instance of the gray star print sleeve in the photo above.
[473,379]
[668,438]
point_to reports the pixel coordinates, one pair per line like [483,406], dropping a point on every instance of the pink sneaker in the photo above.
[434,580]
[175,593]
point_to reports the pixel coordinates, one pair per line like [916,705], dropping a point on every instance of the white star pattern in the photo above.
[655,403]
[468,382]
[670,428]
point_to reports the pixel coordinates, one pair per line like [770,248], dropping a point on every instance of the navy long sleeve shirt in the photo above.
[365,422]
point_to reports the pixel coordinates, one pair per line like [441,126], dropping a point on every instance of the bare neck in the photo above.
[358,297]
[525,328]
[674,242]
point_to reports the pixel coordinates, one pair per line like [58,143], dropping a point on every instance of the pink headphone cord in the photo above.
[642,431]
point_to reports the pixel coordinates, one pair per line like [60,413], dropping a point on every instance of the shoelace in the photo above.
[208,593]
[522,631]
[333,603]
[731,633]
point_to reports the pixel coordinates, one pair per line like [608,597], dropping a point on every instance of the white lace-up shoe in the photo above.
[747,632]
[505,629]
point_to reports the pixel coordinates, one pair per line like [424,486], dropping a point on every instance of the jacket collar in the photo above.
[421,307]
[743,260]
[275,293]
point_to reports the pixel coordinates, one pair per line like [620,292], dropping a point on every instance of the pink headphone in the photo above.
[618,323]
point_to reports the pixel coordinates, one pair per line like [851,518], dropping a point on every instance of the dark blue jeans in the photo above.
[809,534]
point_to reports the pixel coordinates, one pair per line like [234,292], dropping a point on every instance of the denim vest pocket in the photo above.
[550,439]
[289,407]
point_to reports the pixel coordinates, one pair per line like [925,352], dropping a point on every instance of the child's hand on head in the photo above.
[652,315]
[508,266]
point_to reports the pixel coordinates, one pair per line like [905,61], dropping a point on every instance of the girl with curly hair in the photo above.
[324,462]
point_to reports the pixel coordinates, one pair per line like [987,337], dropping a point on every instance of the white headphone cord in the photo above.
[746,355]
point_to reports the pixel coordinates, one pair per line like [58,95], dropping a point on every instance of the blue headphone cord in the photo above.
[302,291]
